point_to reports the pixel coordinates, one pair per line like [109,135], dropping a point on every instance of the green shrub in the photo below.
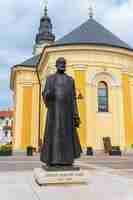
[5,148]
[116,148]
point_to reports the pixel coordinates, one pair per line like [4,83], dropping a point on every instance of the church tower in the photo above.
[45,35]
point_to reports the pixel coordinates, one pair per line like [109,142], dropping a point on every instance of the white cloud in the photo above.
[120,21]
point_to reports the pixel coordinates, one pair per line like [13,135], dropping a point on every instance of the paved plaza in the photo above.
[109,178]
[25,163]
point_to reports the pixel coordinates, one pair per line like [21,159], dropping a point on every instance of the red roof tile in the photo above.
[6,113]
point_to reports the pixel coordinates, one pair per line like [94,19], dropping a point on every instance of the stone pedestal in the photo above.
[46,177]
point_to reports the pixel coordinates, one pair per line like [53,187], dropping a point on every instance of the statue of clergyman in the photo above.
[61,143]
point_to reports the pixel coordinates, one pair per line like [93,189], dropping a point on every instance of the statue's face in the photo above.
[61,65]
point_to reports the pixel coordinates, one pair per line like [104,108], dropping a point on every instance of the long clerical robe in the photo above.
[61,143]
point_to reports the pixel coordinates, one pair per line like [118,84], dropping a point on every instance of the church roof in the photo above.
[91,32]
[31,62]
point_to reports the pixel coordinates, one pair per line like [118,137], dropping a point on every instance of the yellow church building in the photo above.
[102,66]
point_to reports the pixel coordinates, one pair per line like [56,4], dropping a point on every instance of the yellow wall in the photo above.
[80,86]
[14,120]
[43,118]
[83,65]
[107,124]
[95,125]
[128,117]
[35,115]
[18,100]
[26,109]
[27,113]
[83,62]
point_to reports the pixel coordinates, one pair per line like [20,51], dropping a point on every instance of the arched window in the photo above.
[102,97]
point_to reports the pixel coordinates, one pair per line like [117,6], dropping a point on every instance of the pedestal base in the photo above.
[46,177]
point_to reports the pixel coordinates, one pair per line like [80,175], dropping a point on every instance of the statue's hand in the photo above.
[48,96]
[77,121]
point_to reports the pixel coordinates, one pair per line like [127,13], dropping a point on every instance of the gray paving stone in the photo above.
[103,184]
[16,192]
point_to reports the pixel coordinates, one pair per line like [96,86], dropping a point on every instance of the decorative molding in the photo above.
[78,66]
[126,70]
[93,56]
[27,84]
[103,75]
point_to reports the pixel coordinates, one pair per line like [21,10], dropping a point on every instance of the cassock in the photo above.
[61,142]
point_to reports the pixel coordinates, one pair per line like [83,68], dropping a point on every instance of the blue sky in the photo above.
[19,22]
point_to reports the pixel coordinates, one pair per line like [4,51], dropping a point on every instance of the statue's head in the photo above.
[61,64]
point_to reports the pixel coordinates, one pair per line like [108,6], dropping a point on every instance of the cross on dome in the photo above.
[44,4]
[91,13]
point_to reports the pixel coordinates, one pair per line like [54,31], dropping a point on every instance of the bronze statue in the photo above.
[61,143]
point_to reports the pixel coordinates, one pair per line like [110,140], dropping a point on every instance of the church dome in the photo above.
[92,32]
